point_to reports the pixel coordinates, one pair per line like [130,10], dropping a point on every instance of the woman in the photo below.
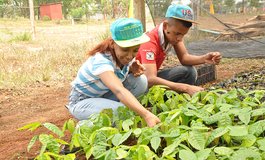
[104,81]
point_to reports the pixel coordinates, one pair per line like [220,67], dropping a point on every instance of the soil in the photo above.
[20,107]
[43,103]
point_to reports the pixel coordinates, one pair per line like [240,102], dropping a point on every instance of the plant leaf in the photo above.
[197,140]
[54,129]
[126,124]
[49,143]
[71,125]
[223,151]
[121,153]
[203,154]
[61,141]
[125,136]
[172,147]
[32,142]
[258,112]
[261,144]
[99,151]
[187,155]
[244,115]
[137,132]
[257,128]
[155,142]
[238,130]
[69,157]
[246,153]
[110,155]
[116,139]
[31,126]
[248,140]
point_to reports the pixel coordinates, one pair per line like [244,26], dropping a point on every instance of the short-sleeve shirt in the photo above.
[154,51]
[87,80]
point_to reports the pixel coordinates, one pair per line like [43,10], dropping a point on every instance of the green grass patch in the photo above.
[25,36]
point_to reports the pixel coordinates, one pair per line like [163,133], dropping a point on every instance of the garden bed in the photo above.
[254,80]
[216,124]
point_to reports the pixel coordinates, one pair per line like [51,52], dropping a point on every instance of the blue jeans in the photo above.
[180,74]
[82,106]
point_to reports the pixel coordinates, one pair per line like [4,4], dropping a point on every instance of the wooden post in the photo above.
[113,9]
[243,6]
[198,9]
[195,8]
[31,10]
[139,11]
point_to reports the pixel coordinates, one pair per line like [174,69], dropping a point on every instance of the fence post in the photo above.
[139,11]
[31,9]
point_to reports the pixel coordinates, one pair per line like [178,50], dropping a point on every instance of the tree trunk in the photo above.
[139,11]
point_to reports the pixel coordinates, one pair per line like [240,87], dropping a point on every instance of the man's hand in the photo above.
[151,120]
[137,68]
[213,58]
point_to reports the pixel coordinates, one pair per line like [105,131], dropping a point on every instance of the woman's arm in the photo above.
[115,85]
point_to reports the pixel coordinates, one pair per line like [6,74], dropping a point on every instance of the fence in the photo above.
[12,11]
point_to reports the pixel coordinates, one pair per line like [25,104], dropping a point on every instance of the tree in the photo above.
[66,7]
[254,3]
[229,4]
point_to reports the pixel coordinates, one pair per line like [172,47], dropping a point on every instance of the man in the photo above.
[170,33]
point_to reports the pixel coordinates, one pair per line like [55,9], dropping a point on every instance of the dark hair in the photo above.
[104,47]
[184,23]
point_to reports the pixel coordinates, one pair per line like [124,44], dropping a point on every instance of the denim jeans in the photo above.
[181,74]
[82,106]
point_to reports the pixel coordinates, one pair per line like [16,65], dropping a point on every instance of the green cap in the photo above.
[128,32]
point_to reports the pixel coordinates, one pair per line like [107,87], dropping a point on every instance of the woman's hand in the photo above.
[186,88]
[193,89]
[151,119]
[137,68]
[127,98]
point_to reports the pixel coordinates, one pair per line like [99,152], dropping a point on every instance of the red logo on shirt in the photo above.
[150,56]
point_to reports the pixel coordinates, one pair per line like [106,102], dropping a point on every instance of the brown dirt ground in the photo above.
[46,104]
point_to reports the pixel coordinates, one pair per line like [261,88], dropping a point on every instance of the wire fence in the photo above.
[13,11]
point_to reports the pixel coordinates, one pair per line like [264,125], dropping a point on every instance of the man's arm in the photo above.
[187,59]
[151,74]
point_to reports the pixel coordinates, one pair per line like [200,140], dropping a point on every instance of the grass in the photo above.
[25,36]
[54,57]
[20,67]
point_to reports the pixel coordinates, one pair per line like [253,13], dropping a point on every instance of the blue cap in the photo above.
[181,12]
[128,32]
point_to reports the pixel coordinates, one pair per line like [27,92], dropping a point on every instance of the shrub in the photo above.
[25,36]
[77,13]
[46,18]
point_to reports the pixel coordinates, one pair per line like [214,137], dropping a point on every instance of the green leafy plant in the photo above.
[215,124]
